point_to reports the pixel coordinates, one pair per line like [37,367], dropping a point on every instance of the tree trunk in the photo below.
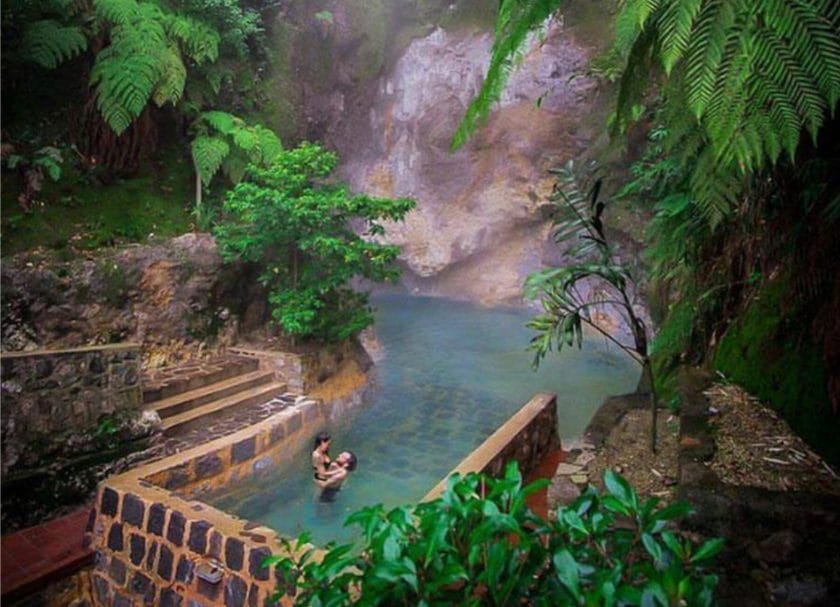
[197,190]
[647,369]
[102,147]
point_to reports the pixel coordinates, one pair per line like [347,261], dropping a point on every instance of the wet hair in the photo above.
[352,461]
[322,438]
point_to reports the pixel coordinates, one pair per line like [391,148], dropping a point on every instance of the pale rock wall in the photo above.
[480,225]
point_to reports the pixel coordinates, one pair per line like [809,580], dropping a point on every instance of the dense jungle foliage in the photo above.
[736,100]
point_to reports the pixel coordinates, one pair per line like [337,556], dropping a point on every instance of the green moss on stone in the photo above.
[769,352]
[673,338]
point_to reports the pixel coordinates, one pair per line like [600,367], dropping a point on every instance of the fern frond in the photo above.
[516,20]
[269,143]
[49,43]
[116,12]
[813,41]
[128,71]
[714,188]
[726,112]
[221,121]
[124,84]
[247,140]
[705,52]
[172,78]
[632,20]
[784,116]
[773,57]
[200,41]
[675,27]
[208,154]
[235,166]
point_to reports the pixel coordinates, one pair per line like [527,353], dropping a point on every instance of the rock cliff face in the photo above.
[172,291]
[479,227]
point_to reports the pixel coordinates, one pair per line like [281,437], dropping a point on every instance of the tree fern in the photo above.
[754,74]
[208,154]
[243,144]
[144,60]
[49,43]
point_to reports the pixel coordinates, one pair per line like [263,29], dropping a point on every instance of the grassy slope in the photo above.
[85,216]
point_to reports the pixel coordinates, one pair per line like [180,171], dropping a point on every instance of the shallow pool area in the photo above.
[450,374]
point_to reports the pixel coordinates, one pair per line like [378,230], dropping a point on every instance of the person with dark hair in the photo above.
[337,473]
[321,457]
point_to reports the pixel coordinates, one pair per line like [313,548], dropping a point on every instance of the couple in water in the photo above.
[330,474]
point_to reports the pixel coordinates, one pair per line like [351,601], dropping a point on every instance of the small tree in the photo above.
[578,219]
[295,225]
[480,545]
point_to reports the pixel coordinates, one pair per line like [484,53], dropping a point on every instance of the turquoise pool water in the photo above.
[451,374]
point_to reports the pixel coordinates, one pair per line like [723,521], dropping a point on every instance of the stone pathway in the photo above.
[37,555]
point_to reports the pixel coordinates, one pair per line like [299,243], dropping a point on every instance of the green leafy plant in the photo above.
[743,79]
[45,160]
[138,54]
[479,544]
[295,224]
[226,142]
[578,219]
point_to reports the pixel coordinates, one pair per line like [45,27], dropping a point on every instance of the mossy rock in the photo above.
[770,353]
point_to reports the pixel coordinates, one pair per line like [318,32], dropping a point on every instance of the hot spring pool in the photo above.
[452,373]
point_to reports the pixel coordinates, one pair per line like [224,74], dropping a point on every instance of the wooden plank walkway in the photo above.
[35,556]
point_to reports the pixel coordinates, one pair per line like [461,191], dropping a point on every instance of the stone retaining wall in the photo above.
[150,534]
[526,437]
[303,372]
[50,394]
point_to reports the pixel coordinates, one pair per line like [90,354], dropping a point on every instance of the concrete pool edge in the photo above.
[526,436]
[150,530]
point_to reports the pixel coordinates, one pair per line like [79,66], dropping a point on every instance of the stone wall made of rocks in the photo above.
[150,534]
[151,548]
[253,450]
[48,395]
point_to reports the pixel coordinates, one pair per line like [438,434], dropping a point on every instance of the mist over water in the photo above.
[452,373]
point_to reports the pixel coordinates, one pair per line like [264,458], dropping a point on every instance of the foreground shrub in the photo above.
[479,544]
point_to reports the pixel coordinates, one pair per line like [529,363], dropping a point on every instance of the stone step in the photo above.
[187,420]
[194,398]
[166,383]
